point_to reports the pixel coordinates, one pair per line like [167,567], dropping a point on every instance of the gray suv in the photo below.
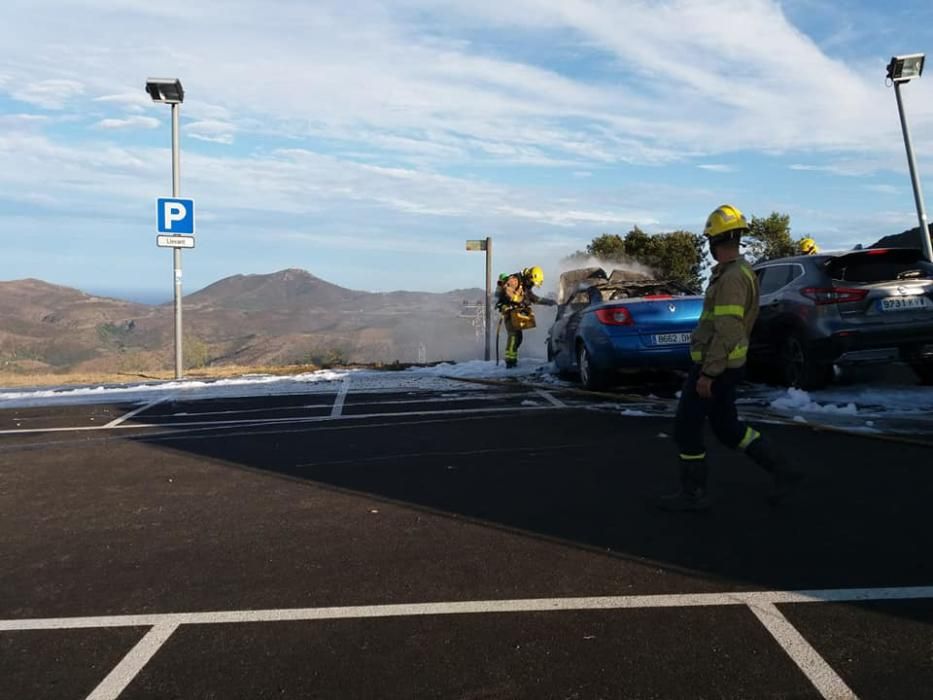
[863,306]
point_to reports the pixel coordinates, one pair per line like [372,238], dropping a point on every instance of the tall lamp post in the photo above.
[900,70]
[169,91]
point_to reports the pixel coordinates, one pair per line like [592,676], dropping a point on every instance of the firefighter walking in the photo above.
[719,347]
[514,297]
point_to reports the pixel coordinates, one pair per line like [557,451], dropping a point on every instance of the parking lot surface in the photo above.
[488,541]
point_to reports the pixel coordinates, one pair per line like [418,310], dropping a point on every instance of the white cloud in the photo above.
[843,168]
[130,101]
[129,123]
[23,120]
[49,94]
[211,130]
[423,118]
[883,189]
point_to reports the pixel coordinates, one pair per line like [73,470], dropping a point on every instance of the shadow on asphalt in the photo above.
[590,479]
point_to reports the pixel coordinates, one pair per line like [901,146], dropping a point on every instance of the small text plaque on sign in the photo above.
[476,245]
[175,241]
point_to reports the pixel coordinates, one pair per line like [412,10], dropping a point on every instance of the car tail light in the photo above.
[833,295]
[615,316]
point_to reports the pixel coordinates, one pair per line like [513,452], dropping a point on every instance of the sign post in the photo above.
[485,245]
[175,216]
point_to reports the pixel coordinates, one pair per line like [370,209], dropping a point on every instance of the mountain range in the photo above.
[283,318]
[287,317]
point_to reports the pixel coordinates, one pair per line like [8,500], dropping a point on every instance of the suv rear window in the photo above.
[880,265]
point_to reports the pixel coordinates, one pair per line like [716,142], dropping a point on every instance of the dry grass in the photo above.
[19,379]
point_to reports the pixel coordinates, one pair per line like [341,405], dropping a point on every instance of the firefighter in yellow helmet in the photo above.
[514,297]
[718,348]
[807,246]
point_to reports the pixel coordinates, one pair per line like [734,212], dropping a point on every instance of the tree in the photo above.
[679,255]
[770,238]
[608,246]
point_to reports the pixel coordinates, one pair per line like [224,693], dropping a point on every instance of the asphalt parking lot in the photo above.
[481,543]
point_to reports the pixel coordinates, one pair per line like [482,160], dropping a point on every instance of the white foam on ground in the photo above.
[323,381]
[868,401]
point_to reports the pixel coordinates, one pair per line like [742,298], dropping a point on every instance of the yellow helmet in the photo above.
[808,246]
[535,274]
[725,219]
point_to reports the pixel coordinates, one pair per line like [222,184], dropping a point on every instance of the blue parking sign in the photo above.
[175,215]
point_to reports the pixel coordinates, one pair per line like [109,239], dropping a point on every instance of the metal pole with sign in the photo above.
[176,252]
[485,245]
[488,295]
[170,91]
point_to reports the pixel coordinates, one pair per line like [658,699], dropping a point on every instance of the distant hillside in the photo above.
[285,317]
[44,325]
[904,239]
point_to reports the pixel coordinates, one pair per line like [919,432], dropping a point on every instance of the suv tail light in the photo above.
[615,316]
[833,295]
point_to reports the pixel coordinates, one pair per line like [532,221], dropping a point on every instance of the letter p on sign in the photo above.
[175,216]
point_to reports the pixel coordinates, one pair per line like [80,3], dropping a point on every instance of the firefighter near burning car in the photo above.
[514,297]
[718,349]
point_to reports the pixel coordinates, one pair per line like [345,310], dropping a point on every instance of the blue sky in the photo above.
[365,141]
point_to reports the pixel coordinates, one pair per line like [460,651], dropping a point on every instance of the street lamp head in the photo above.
[165,90]
[903,68]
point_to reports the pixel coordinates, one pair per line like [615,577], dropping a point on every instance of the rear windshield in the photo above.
[880,265]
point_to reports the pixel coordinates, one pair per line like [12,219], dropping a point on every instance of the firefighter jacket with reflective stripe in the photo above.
[730,308]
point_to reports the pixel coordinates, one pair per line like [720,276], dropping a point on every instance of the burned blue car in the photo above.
[623,321]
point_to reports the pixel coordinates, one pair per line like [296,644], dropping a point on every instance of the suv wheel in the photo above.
[590,377]
[800,369]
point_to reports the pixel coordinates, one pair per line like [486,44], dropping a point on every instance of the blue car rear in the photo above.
[597,338]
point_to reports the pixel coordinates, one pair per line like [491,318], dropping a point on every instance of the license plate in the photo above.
[671,338]
[903,303]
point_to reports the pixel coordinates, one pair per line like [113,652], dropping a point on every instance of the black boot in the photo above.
[784,479]
[692,495]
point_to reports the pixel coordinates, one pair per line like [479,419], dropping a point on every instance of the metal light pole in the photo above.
[901,70]
[485,245]
[170,91]
[486,355]
[176,252]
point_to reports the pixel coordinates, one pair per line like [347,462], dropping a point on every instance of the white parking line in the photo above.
[341,397]
[125,671]
[125,417]
[280,421]
[550,398]
[814,667]
[761,603]
[681,600]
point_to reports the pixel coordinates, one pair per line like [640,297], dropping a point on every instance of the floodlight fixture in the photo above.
[165,90]
[903,68]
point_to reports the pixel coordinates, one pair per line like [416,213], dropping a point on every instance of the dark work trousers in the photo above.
[693,410]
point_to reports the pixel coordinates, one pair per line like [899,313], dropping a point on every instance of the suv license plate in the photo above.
[903,303]
[671,338]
